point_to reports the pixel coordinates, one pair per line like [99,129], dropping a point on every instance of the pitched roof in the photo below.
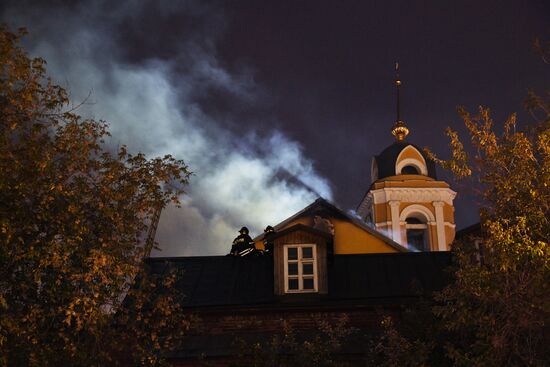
[321,204]
[302,227]
[248,281]
[387,275]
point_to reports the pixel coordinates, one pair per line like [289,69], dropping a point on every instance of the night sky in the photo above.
[272,103]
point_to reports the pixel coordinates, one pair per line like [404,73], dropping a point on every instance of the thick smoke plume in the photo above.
[101,53]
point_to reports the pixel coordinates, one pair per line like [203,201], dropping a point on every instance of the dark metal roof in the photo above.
[221,280]
[385,161]
[399,275]
[248,281]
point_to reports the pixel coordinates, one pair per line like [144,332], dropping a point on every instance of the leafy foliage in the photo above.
[497,312]
[289,349]
[73,223]
[393,349]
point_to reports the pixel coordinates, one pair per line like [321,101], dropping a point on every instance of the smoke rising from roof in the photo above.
[152,103]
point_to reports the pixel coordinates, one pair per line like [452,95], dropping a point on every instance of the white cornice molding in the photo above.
[366,206]
[389,223]
[413,195]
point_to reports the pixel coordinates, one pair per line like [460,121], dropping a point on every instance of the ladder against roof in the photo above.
[153,227]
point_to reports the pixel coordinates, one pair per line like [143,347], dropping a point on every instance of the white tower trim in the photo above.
[410,210]
[395,225]
[419,162]
[439,221]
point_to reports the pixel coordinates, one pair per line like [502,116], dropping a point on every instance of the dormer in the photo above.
[411,162]
[300,257]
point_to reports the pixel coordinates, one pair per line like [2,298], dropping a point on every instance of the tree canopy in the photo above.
[74,217]
[497,310]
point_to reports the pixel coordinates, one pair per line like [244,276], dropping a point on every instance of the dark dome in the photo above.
[386,160]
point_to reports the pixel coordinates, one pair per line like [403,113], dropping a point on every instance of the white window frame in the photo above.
[300,262]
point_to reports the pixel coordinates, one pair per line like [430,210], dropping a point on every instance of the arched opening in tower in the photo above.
[417,234]
[410,170]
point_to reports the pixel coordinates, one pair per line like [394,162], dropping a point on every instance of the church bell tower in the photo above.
[405,200]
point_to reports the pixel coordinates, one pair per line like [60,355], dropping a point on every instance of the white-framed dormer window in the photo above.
[300,268]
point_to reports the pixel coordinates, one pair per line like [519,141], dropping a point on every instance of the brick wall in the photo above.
[233,323]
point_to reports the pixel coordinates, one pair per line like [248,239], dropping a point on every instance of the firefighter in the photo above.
[243,244]
[269,231]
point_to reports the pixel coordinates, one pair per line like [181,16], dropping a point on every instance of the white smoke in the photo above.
[252,179]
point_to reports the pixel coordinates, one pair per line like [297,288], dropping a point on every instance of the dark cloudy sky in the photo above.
[272,103]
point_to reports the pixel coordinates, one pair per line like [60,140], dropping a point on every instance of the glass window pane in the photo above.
[293,284]
[307,269]
[308,283]
[293,269]
[292,253]
[417,239]
[307,253]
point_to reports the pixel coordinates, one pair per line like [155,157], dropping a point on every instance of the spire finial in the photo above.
[399,130]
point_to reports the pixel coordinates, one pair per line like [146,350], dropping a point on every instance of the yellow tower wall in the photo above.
[351,239]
